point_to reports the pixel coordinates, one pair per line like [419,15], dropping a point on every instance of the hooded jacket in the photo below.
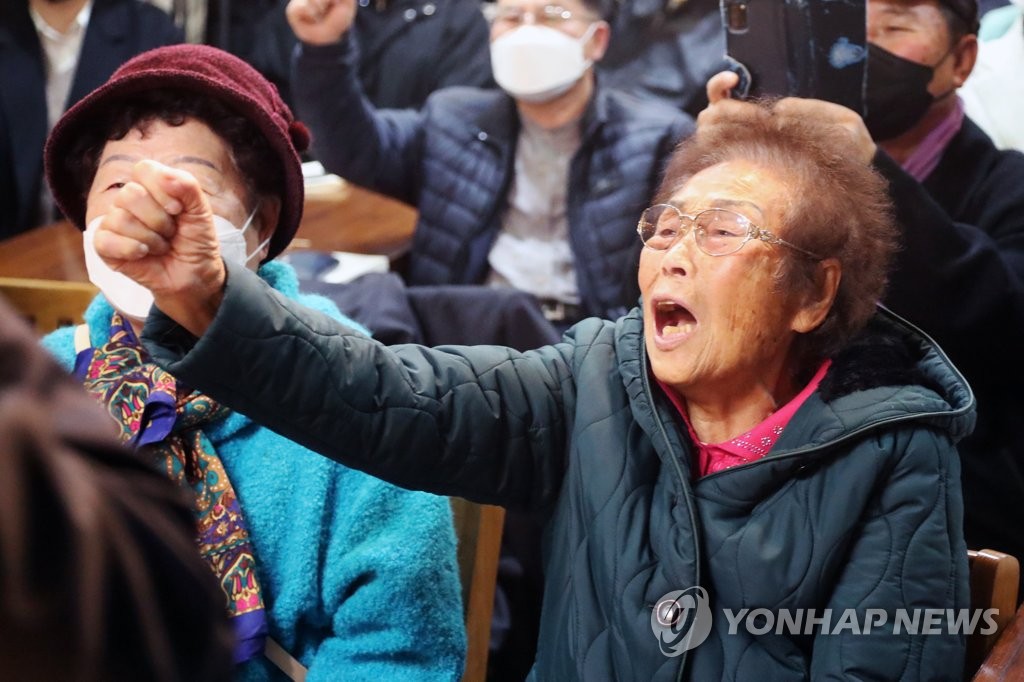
[857,506]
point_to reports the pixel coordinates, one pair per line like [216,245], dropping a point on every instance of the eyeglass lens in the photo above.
[717,231]
[549,14]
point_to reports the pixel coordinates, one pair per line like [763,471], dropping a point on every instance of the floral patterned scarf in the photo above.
[163,420]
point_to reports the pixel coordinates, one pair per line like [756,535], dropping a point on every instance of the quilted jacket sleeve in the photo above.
[375,149]
[485,423]
[909,561]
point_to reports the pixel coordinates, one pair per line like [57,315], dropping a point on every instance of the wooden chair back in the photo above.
[48,304]
[478,529]
[1005,663]
[994,580]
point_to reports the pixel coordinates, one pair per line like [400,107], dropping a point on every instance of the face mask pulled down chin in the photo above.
[537,63]
[135,300]
[897,94]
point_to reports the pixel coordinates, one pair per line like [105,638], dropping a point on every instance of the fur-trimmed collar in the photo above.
[876,357]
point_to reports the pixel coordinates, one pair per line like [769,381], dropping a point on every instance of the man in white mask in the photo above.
[536,187]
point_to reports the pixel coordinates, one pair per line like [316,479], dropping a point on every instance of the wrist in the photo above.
[196,306]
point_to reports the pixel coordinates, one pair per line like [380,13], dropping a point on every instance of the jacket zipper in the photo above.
[687,493]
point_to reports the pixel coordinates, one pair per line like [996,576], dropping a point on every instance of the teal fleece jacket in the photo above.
[359,576]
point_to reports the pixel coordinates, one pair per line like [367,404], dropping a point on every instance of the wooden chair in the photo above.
[48,304]
[994,580]
[478,529]
[1005,663]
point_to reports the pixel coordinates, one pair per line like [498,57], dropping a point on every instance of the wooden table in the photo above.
[337,216]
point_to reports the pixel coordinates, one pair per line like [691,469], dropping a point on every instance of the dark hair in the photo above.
[961,18]
[100,579]
[958,24]
[605,9]
[840,209]
[259,165]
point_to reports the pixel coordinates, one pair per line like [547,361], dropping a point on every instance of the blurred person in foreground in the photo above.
[99,577]
[959,274]
[756,435]
[310,552]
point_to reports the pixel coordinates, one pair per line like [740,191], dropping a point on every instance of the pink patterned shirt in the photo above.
[752,445]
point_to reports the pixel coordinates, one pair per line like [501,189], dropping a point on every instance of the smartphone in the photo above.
[800,48]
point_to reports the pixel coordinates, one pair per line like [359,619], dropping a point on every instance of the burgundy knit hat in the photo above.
[205,71]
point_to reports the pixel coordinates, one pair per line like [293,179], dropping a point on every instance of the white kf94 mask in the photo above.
[536,63]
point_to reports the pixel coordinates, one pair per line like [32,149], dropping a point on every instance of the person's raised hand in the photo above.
[721,105]
[320,22]
[160,233]
[852,134]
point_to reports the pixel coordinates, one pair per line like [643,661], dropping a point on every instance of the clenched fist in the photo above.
[160,233]
[320,22]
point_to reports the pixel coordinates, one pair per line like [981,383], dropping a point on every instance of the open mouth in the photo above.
[673,319]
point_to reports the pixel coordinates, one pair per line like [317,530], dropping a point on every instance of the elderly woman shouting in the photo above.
[754,445]
[305,550]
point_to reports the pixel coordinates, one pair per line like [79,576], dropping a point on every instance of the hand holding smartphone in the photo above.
[801,48]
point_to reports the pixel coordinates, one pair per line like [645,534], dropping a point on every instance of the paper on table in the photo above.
[315,177]
[353,265]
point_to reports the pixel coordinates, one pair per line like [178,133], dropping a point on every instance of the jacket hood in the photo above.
[890,373]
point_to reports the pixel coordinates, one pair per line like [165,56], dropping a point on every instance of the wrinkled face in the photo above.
[916,31]
[716,325]
[192,147]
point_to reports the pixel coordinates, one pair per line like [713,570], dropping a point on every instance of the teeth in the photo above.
[673,329]
[666,305]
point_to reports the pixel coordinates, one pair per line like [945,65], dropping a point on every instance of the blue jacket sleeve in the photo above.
[391,587]
[376,149]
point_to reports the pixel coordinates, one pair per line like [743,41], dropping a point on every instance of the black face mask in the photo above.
[897,93]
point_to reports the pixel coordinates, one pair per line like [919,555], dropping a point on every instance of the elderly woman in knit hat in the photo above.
[307,551]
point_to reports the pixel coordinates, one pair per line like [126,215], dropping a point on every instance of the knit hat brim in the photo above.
[205,71]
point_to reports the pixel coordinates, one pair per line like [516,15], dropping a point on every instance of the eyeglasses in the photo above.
[717,231]
[548,15]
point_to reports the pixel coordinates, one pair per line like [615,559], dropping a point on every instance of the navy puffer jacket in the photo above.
[857,506]
[453,160]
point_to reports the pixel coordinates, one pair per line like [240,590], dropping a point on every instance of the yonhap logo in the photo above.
[681,620]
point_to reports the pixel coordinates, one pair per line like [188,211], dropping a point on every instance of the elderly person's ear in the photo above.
[819,299]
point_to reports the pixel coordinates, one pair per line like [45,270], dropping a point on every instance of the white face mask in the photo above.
[233,248]
[135,300]
[536,63]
